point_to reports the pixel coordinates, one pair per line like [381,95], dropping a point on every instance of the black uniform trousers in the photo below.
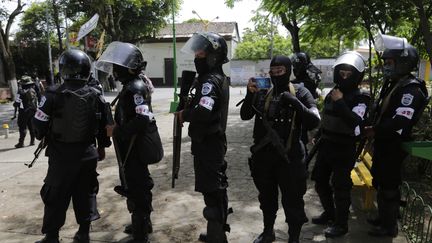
[77,181]
[332,176]
[139,184]
[210,177]
[270,173]
[387,159]
[24,123]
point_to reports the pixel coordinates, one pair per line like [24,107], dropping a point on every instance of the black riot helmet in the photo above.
[404,55]
[213,45]
[300,62]
[74,65]
[122,54]
[349,70]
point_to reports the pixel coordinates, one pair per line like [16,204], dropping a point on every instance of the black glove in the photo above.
[287,99]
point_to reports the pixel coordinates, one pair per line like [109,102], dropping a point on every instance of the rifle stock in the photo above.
[186,83]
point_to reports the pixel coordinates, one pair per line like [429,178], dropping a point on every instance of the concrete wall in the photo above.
[155,54]
[242,70]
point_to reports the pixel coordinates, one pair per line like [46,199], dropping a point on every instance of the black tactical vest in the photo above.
[75,115]
[332,124]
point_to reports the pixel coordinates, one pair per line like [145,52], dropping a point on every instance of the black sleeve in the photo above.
[105,115]
[246,110]
[42,117]
[140,122]
[206,110]
[307,109]
[409,101]
[352,117]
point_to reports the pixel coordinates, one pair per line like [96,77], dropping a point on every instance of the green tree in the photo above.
[257,46]
[5,49]
[124,20]
[31,44]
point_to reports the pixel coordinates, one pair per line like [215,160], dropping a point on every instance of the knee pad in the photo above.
[212,214]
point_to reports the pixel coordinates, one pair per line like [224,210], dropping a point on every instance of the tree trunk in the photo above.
[11,77]
[294,31]
[6,52]
[57,23]
[424,27]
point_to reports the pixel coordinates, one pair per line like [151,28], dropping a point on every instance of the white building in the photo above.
[158,52]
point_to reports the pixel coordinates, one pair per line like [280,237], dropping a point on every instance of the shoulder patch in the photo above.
[407,99]
[42,101]
[206,88]
[138,99]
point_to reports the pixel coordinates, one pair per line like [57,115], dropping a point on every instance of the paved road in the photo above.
[177,215]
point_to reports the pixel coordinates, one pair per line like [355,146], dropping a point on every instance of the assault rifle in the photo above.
[186,83]
[271,137]
[41,146]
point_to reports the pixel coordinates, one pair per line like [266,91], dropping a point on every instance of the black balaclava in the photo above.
[122,74]
[281,82]
[351,83]
[201,65]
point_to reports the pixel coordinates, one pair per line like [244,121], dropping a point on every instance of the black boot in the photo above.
[20,144]
[374,221]
[266,237]
[139,228]
[82,235]
[215,233]
[294,232]
[336,231]
[383,232]
[50,238]
[128,228]
[324,219]
[32,141]
[388,209]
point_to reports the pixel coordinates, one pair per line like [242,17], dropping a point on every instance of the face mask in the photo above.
[121,74]
[201,65]
[280,81]
[389,71]
[347,86]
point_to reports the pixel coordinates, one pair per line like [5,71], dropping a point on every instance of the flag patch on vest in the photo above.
[207,102]
[407,99]
[405,111]
[206,88]
[41,116]
[138,99]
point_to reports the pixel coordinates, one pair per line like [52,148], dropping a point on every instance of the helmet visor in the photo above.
[351,58]
[196,43]
[383,42]
[119,53]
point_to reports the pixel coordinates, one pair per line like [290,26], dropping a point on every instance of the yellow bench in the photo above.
[362,178]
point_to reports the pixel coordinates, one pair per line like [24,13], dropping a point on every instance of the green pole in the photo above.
[174,104]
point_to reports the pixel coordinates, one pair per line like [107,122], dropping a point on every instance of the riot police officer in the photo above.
[280,113]
[307,75]
[71,119]
[135,135]
[305,72]
[26,104]
[403,98]
[345,108]
[207,114]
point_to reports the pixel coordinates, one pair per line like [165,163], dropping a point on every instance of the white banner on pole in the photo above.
[88,26]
